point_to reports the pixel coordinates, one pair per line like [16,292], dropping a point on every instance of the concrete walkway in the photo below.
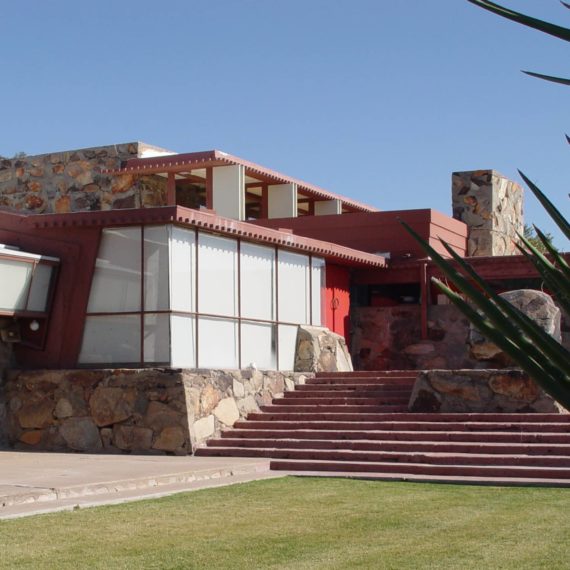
[33,483]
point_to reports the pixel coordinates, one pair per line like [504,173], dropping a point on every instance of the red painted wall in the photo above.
[338,300]
[380,231]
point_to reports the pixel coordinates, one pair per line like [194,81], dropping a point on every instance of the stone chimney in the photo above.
[492,207]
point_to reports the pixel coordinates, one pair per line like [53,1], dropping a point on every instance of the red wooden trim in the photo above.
[424,300]
[210,188]
[265,201]
[171,190]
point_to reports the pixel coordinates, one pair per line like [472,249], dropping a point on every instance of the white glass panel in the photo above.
[116,283]
[41,281]
[14,282]
[258,345]
[183,343]
[111,339]
[183,270]
[217,275]
[293,287]
[287,346]
[257,281]
[318,291]
[157,338]
[217,343]
[156,268]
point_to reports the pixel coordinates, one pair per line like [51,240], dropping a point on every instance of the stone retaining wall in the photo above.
[484,391]
[389,338]
[5,361]
[73,181]
[143,411]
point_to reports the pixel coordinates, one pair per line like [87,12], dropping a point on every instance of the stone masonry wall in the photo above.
[141,411]
[389,338]
[480,391]
[492,207]
[5,361]
[73,182]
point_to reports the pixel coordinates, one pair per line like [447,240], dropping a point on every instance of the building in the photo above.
[130,255]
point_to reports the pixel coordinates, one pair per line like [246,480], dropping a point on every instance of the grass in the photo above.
[305,523]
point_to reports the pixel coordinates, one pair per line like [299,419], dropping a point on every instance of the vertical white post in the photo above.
[282,201]
[229,191]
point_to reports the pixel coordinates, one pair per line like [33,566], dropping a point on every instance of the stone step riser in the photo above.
[406,436]
[402,458]
[379,381]
[401,426]
[446,418]
[369,374]
[348,388]
[426,470]
[412,446]
[325,391]
[309,411]
[340,401]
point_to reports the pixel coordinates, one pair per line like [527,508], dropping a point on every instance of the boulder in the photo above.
[535,304]
[320,350]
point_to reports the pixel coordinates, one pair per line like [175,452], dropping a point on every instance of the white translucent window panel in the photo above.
[318,289]
[217,275]
[183,270]
[156,342]
[14,284]
[293,287]
[217,343]
[183,341]
[116,285]
[258,345]
[156,267]
[41,281]
[287,341]
[111,339]
[257,274]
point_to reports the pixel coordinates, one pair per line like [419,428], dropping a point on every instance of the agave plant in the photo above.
[534,350]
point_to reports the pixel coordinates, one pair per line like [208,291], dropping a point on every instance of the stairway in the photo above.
[357,424]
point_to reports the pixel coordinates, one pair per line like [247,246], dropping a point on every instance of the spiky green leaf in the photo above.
[541,25]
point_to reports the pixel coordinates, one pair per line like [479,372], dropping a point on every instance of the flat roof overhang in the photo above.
[180,163]
[212,222]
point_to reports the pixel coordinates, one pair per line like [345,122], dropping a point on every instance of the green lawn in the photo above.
[305,523]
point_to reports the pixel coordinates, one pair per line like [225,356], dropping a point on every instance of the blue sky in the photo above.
[379,100]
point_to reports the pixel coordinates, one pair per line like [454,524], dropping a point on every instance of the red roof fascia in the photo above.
[209,221]
[181,162]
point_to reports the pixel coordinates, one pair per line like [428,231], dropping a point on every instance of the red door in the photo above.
[338,300]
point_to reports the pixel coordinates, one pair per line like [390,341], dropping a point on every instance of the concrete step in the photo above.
[444,418]
[542,449]
[340,401]
[340,425]
[395,436]
[401,380]
[349,388]
[369,374]
[401,457]
[339,409]
[330,391]
[461,472]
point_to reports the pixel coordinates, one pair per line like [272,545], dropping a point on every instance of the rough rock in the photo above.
[227,411]
[479,391]
[320,350]
[537,305]
[170,439]
[81,434]
[111,405]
